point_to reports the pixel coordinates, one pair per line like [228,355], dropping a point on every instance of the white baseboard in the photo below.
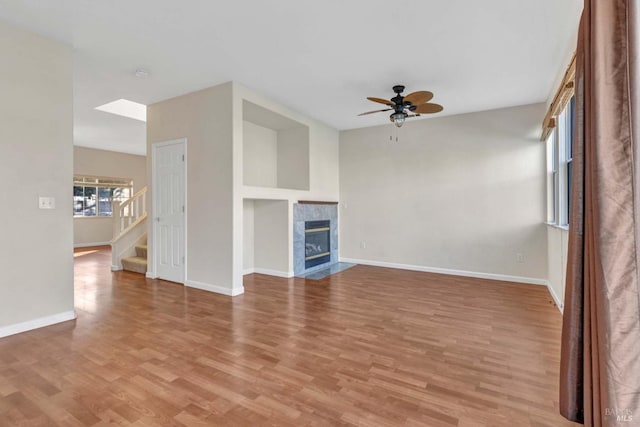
[559,303]
[464,273]
[40,322]
[213,288]
[116,268]
[277,273]
[268,272]
[151,275]
[88,245]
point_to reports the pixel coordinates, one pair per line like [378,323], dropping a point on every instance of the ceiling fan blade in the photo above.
[427,109]
[375,111]
[381,101]
[419,97]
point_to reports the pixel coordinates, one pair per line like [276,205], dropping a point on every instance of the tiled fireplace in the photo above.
[315,236]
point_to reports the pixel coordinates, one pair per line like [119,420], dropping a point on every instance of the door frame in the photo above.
[154,179]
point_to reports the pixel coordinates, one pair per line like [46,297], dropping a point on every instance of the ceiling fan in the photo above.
[416,103]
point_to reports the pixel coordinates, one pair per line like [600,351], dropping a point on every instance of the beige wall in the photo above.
[271,234]
[558,240]
[89,161]
[36,159]
[204,118]
[260,161]
[248,236]
[462,193]
[293,158]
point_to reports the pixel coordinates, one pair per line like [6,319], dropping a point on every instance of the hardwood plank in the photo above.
[368,346]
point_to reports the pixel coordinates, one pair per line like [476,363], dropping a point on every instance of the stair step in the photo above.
[141,250]
[136,264]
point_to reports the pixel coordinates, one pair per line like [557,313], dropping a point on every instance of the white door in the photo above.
[169,210]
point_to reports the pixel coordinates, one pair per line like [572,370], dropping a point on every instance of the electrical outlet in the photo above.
[519,258]
[47,202]
[363,245]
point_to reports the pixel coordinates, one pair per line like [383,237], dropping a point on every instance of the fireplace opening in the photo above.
[317,243]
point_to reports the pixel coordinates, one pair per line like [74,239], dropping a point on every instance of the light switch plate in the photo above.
[47,202]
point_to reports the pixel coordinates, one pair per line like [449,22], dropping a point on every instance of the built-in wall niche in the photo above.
[266,234]
[275,149]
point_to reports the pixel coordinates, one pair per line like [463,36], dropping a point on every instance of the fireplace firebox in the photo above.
[317,243]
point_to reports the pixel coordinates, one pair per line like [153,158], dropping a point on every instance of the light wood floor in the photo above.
[368,346]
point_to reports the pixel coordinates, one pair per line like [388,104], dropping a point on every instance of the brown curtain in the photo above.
[600,364]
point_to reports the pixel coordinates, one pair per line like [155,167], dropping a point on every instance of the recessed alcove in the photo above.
[275,149]
[266,235]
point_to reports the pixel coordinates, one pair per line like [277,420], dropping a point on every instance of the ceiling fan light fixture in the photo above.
[398,119]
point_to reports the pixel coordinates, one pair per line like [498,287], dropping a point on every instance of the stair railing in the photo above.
[128,214]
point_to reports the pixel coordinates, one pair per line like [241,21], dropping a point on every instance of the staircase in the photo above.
[138,263]
[129,243]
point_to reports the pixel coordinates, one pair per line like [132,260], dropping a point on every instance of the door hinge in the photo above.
[183,209]
[183,157]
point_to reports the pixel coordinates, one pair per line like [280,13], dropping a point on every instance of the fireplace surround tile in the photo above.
[313,212]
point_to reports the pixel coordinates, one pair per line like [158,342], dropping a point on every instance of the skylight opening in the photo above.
[125,108]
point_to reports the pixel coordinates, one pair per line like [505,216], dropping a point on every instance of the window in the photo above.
[557,132]
[552,178]
[559,167]
[93,196]
[569,146]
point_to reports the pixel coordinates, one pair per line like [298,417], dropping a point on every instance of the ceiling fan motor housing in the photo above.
[398,100]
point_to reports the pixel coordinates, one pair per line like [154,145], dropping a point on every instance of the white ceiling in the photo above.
[321,58]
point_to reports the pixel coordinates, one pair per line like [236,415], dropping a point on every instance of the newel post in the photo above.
[116,218]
